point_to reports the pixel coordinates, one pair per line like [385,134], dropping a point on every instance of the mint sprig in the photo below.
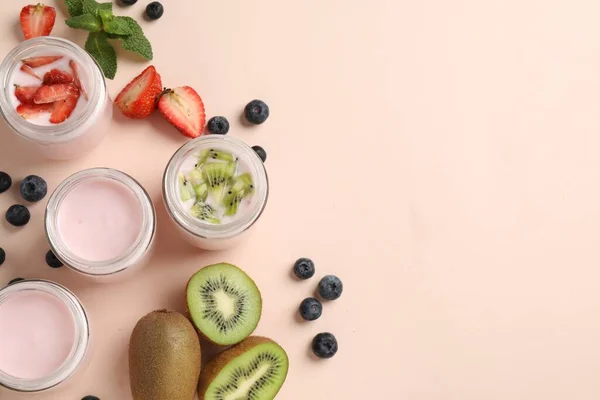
[98,19]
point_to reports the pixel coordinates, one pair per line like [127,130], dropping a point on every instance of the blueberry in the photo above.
[310,309]
[154,10]
[15,281]
[330,287]
[218,125]
[33,188]
[52,261]
[18,215]
[256,112]
[324,345]
[5,182]
[2,256]
[304,268]
[90,397]
[261,152]
[129,2]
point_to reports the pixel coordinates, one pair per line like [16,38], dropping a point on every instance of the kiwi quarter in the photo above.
[241,188]
[225,305]
[217,176]
[255,369]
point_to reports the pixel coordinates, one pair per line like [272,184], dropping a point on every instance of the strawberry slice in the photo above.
[37,20]
[55,76]
[30,71]
[184,109]
[63,109]
[25,93]
[138,99]
[33,110]
[52,93]
[35,62]
[75,68]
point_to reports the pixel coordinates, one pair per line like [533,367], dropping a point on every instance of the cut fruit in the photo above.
[28,111]
[220,155]
[29,71]
[63,109]
[184,109]
[186,192]
[35,62]
[204,212]
[242,187]
[56,76]
[76,79]
[224,303]
[25,93]
[217,175]
[196,177]
[254,369]
[201,191]
[53,93]
[37,20]
[138,99]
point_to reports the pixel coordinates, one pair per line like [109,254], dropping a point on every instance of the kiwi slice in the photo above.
[195,176]
[186,191]
[217,175]
[220,155]
[252,370]
[204,212]
[224,303]
[201,191]
[241,188]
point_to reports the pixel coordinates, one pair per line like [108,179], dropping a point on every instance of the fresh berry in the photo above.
[76,78]
[15,281]
[256,112]
[154,10]
[29,71]
[2,256]
[138,99]
[128,3]
[37,20]
[261,152]
[33,110]
[310,309]
[35,62]
[218,125]
[25,93]
[184,109]
[304,268]
[324,345]
[18,215]
[53,93]
[56,76]
[33,188]
[63,109]
[52,261]
[330,287]
[5,182]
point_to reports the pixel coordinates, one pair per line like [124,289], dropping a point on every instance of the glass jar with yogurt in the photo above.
[44,335]
[54,95]
[215,188]
[101,223]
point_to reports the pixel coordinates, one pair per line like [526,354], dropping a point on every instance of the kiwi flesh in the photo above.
[186,191]
[164,357]
[217,176]
[224,303]
[204,212]
[241,188]
[255,369]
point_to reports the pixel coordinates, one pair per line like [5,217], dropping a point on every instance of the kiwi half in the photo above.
[252,370]
[224,303]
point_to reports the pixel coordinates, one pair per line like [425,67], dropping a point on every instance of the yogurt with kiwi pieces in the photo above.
[215,186]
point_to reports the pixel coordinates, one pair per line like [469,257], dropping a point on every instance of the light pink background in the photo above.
[440,156]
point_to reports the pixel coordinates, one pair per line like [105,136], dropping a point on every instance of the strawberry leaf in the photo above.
[117,26]
[136,41]
[75,7]
[88,22]
[98,46]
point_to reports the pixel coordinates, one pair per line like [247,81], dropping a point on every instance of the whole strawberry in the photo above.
[138,99]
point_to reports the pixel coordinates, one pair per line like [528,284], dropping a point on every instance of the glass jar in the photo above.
[203,234]
[81,334]
[80,133]
[108,226]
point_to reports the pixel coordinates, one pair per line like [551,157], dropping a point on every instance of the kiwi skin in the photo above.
[212,369]
[164,357]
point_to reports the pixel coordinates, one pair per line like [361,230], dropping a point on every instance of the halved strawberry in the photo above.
[184,109]
[33,110]
[30,71]
[63,109]
[138,99]
[75,68]
[37,20]
[35,62]
[52,93]
[55,76]
[25,93]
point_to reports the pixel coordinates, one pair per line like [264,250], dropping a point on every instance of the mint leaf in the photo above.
[98,46]
[92,7]
[88,22]
[117,26]
[75,7]
[137,42]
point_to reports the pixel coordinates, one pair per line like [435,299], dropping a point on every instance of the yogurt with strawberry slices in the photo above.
[63,113]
